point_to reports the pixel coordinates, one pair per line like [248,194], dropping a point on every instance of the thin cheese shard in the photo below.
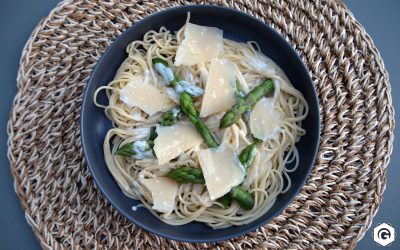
[221,169]
[220,89]
[265,119]
[145,96]
[163,191]
[174,140]
[201,44]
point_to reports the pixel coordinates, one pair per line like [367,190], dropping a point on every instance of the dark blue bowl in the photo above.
[236,26]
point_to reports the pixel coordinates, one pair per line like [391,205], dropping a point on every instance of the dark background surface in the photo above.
[19,17]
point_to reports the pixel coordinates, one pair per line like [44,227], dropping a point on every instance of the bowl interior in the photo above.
[236,26]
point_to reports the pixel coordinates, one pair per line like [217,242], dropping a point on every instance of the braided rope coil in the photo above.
[334,208]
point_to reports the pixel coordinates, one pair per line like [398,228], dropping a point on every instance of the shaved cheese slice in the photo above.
[220,89]
[163,191]
[265,119]
[145,96]
[174,140]
[221,169]
[201,44]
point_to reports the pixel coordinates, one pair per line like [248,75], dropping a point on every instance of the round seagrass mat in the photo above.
[333,210]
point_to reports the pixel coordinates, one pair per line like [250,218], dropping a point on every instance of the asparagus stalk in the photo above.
[190,111]
[187,87]
[256,140]
[243,197]
[153,134]
[225,200]
[164,70]
[170,117]
[246,157]
[187,174]
[139,149]
[246,103]
[180,85]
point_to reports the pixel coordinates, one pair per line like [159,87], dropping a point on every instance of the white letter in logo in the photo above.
[384,234]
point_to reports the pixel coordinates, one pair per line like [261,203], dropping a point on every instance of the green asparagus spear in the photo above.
[152,137]
[187,174]
[246,157]
[159,60]
[170,117]
[258,92]
[225,200]
[205,132]
[234,114]
[245,104]
[256,140]
[164,70]
[175,81]
[243,197]
[188,107]
[139,149]
[190,111]
[187,87]
[126,150]
[153,134]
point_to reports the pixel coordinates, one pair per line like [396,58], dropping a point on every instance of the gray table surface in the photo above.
[18,19]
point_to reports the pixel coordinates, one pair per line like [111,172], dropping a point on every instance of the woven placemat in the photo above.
[333,210]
